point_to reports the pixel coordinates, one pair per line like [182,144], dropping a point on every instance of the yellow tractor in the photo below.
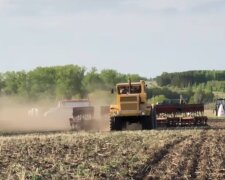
[131,107]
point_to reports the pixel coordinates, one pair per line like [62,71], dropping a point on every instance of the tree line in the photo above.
[189,78]
[73,81]
[191,95]
[59,82]
[196,86]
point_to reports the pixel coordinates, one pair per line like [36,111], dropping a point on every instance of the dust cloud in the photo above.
[15,115]
[101,101]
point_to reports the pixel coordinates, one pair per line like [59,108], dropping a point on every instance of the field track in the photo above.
[195,157]
[181,153]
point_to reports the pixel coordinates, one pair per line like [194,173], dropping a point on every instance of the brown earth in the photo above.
[200,156]
[185,153]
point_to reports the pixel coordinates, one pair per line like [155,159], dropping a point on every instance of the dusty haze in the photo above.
[14,115]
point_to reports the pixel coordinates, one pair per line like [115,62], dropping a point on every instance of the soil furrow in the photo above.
[204,164]
[180,162]
[172,165]
[156,158]
[188,162]
[192,170]
[218,163]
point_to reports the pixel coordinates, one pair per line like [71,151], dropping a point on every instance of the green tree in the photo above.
[111,77]
[92,81]
[69,81]
[41,82]
[2,83]
[23,89]
[10,83]
[158,99]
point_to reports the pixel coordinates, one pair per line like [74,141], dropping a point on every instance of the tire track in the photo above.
[192,170]
[207,156]
[156,158]
[181,162]
[189,159]
[214,168]
[219,170]
[173,165]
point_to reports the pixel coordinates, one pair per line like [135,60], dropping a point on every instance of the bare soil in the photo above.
[185,153]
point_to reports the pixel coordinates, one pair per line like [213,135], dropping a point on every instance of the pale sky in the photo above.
[145,37]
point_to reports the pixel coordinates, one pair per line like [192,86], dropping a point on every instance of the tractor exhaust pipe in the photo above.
[129,81]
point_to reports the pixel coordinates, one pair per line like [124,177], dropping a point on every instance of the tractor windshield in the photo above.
[133,89]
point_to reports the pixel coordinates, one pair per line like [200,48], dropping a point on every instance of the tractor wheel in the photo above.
[112,124]
[146,122]
[116,124]
[153,119]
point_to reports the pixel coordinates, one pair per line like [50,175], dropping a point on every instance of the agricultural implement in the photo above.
[80,109]
[132,107]
[180,115]
[81,116]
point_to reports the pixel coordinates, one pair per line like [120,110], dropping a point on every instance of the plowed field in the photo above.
[193,153]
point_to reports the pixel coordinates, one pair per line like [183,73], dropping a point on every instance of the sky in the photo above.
[146,37]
